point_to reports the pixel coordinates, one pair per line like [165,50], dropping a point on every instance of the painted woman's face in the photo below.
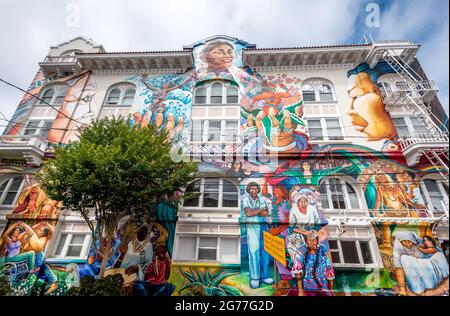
[306,166]
[428,243]
[220,58]
[16,233]
[302,204]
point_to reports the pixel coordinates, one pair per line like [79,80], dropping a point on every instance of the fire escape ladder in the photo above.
[417,91]
[435,159]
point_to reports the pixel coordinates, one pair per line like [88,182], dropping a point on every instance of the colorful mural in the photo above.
[284,237]
[76,109]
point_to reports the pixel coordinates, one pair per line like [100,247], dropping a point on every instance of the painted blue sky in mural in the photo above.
[170,24]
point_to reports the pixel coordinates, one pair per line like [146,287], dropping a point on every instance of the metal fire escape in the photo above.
[417,95]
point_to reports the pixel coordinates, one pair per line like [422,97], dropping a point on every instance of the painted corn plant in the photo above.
[207,284]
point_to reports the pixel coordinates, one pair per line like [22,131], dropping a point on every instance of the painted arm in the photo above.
[427,251]
[8,231]
[251,212]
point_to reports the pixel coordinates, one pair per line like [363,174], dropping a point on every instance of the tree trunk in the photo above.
[106,254]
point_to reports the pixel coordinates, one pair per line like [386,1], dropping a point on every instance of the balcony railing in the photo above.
[14,141]
[424,91]
[60,59]
[426,139]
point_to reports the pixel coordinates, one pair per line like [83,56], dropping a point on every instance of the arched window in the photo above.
[436,195]
[47,96]
[338,194]
[53,95]
[200,95]
[10,190]
[216,93]
[232,95]
[113,97]
[308,93]
[325,93]
[318,89]
[211,192]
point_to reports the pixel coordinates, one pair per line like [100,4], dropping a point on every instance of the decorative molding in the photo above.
[139,71]
[346,66]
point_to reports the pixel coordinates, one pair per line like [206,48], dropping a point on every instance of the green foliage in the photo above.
[111,285]
[207,284]
[115,170]
[5,288]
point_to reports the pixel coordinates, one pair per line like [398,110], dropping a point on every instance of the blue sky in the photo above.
[28,28]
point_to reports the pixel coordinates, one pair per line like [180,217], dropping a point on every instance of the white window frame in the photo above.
[407,118]
[219,205]
[323,124]
[316,84]
[426,195]
[208,87]
[57,90]
[70,233]
[197,235]
[39,129]
[223,131]
[8,185]
[344,184]
[361,263]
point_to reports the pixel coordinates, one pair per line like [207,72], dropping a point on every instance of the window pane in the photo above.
[128,98]
[315,129]
[229,249]
[208,241]
[9,198]
[186,248]
[334,129]
[60,95]
[231,131]
[216,93]
[48,96]
[200,96]
[232,95]
[400,125]
[15,185]
[211,200]
[114,96]
[60,247]
[207,254]
[308,93]
[229,187]
[419,126]
[323,195]
[325,93]
[365,251]
[197,130]
[74,251]
[77,240]
[31,128]
[187,228]
[349,251]
[194,190]
[211,185]
[229,200]
[333,244]
[214,131]
[354,203]
[45,129]
[335,257]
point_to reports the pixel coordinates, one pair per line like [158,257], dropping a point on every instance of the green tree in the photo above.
[114,170]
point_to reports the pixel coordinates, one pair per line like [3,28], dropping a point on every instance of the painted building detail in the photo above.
[278,170]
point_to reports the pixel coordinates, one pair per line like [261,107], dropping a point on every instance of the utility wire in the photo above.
[41,100]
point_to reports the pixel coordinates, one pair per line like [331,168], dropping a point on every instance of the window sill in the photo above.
[326,141]
[65,260]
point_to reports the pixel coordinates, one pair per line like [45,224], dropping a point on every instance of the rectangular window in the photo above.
[74,241]
[401,126]
[418,125]
[315,129]
[334,129]
[218,243]
[350,252]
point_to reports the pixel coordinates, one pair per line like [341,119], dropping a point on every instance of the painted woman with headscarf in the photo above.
[417,269]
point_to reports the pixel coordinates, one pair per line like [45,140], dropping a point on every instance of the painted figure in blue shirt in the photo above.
[256,210]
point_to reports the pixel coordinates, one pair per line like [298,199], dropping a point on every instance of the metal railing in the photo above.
[60,59]
[37,141]
[415,138]
[424,91]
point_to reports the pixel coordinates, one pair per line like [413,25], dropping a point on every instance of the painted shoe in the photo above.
[254,284]
[268,281]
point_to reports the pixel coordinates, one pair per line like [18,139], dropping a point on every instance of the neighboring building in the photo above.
[335,157]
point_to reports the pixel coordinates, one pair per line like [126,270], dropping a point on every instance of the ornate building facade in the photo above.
[322,170]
